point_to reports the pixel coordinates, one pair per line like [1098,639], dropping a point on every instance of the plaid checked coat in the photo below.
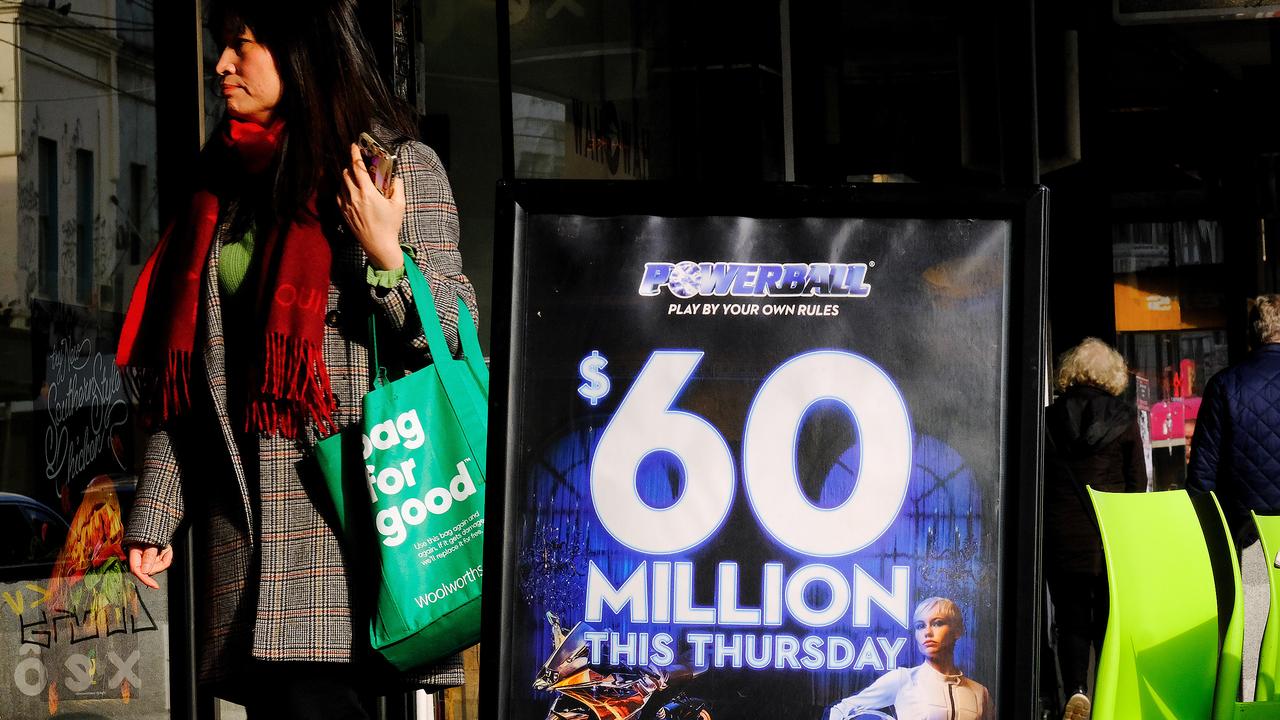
[277,585]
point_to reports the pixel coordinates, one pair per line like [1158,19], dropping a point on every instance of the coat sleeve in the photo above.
[1206,470]
[158,504]
[431,229]
[1206,442]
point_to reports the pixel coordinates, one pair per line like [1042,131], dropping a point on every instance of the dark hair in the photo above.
[331,89]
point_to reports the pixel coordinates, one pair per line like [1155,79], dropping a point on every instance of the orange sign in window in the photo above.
[1148,304]
[1162,301]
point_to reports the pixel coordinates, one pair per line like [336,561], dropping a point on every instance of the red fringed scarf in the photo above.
[158,338]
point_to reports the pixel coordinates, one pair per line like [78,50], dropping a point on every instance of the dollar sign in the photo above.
[597,383]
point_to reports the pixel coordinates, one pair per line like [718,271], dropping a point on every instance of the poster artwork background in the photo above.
[934,321]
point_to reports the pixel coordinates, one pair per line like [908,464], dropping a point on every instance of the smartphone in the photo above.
[379,161]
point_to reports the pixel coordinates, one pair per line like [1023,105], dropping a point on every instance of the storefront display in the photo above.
[1171,319]
[746,440]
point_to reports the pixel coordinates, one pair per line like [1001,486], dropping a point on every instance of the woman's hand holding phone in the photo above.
[374,219]
[380,163]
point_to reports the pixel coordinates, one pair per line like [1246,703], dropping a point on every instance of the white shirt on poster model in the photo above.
[933,690]
[920,693]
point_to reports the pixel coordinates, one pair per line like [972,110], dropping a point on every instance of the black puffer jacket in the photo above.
[1093,440]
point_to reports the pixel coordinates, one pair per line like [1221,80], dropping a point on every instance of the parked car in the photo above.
[31,534]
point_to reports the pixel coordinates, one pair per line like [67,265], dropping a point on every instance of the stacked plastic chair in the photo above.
[1175,628]
[1163,642]
[1269,659]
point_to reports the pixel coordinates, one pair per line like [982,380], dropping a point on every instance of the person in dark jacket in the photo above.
[1236,447]
[1235,452]
[1092,440]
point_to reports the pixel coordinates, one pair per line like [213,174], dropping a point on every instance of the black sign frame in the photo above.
[1024,398]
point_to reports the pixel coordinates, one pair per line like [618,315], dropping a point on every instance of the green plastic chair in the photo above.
[1174,607]
[1225,700]
[1266,704]
[1230,592]
[1269,659]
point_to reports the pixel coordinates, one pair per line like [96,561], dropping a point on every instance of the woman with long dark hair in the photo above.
[247,340]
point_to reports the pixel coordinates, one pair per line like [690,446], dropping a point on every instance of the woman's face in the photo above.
[935,634]
[250,83]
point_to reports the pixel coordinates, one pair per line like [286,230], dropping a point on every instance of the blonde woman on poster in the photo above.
[933,690]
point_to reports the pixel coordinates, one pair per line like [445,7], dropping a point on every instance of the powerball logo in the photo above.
[687,279]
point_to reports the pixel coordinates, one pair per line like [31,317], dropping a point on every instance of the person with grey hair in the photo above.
[936,689]
[1092,439]
[1235,452]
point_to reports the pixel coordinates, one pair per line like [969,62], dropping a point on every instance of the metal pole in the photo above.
[788,121]
[503,17]
[179,38]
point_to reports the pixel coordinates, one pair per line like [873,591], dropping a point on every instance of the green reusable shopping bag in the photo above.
[421,482]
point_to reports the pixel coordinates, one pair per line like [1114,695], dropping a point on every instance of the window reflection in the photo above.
[647,90]
[77,218]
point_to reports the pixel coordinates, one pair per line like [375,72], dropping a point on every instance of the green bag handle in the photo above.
[466,380]
[472,407]
[379,377]
[468,338]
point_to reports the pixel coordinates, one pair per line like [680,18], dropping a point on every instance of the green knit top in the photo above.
[234,261]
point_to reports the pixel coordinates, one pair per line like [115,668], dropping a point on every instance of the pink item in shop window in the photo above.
[1191,406]
[1191,410]
[1168,420]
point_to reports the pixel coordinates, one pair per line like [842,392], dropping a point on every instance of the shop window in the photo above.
[456,92]
[47,223]
[84,226]
[1170,311]
[647,90]
[137,205]
[898,92]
